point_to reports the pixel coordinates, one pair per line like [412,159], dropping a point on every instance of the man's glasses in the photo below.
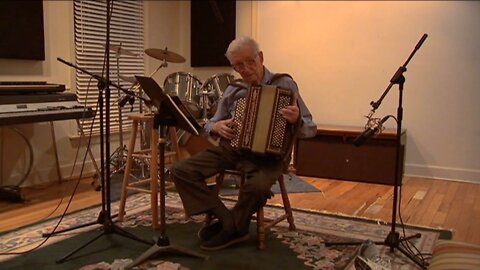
[248,63]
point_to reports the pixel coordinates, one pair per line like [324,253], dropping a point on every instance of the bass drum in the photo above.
[214,88]
[186,86]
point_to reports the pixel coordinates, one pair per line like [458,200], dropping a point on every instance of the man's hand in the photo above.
[224,128]
[292,112]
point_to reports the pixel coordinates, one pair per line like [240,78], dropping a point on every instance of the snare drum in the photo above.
[186,86]
[215,86]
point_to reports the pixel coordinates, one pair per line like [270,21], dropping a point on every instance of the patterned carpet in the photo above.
[313,229]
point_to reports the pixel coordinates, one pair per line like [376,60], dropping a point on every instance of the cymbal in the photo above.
[130,79]
[165,55]
[121,51]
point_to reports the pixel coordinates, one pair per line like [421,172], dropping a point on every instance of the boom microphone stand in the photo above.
[393,239]
[105,217]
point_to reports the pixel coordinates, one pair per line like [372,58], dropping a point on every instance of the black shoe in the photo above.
[209,231]
[223,240]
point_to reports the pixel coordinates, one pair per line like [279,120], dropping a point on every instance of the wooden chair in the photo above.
[263,224]
[150,155]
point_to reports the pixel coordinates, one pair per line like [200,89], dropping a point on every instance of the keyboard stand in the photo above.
[55,151]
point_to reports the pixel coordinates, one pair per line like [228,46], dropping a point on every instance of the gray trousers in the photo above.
[189,176]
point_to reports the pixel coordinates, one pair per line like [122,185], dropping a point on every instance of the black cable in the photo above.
[407,244]
[71,196]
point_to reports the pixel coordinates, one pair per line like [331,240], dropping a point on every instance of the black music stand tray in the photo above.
[172,113]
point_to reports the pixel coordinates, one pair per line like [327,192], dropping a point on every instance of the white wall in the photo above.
[58,29]
[343,55]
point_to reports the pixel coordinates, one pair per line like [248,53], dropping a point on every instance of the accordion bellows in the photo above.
[259,127]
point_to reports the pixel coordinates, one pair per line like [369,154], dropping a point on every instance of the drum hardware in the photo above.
[205,93]
[186,86]
[118,157]
[215,86]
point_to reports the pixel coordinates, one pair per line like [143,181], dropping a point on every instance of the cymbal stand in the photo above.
[117,159]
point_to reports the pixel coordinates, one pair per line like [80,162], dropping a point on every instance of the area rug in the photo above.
[293,184]
[300,249]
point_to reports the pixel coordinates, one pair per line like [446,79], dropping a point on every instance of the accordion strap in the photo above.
[239,84]
[277,76]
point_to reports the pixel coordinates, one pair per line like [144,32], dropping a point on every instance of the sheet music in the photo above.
[184,113]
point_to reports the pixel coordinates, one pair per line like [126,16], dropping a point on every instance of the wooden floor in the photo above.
[427,202]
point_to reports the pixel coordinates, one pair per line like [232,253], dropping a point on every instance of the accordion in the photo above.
[259,127]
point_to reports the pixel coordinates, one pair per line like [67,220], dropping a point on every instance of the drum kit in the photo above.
[200,98]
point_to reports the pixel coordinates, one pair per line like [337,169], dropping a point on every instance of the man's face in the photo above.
[248,64]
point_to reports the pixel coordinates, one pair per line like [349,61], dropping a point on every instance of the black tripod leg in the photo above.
[126,234]
[69,229]
[108,228]
[100,220]
[162,245]
[64,258]
[355,243]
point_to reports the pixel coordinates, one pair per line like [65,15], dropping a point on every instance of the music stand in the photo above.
[171,113]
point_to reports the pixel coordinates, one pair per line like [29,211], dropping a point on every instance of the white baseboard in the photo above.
[447,173]
[49,174]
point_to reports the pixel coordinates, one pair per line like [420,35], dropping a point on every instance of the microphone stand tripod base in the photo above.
[162,245]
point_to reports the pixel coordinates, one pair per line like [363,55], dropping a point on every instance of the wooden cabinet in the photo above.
[331,154]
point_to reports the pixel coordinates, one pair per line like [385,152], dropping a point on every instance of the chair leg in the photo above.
[128,169]
[286,204]
[261,229]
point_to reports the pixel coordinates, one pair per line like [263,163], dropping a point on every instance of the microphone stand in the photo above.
[393,239]
[105,217]
[102,83]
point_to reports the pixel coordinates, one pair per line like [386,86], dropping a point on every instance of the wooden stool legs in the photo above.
[128,169]
[263,226]
[151,154]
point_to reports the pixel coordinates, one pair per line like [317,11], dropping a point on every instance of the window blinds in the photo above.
[126,31]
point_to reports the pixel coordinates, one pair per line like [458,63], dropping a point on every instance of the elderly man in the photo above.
[261,173]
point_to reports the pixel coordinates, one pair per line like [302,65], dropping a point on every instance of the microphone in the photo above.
[131,102]
[123,100]
[371,131]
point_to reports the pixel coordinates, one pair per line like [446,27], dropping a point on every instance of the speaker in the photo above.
[21,30]
[212,29]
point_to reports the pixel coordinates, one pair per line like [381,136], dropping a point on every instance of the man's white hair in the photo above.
[239,43]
